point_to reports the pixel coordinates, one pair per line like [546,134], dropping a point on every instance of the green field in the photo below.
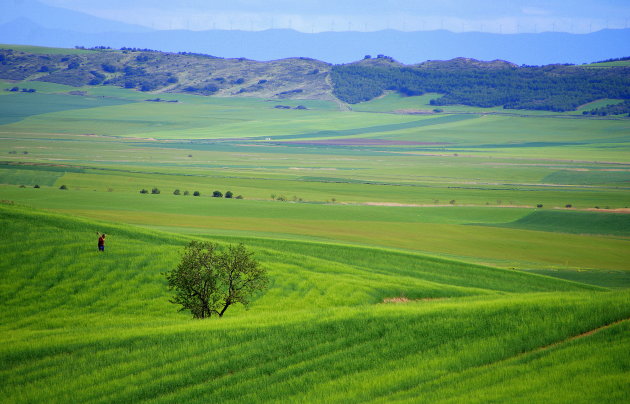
[505,235]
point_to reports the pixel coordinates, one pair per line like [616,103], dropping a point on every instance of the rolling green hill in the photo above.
[460,81]
[83,326]
[151,71]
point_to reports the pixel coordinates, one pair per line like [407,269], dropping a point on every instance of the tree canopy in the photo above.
[207,280]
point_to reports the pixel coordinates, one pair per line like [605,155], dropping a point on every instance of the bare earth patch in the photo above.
[402,299]
[619,210]
[410,111]
[363,142]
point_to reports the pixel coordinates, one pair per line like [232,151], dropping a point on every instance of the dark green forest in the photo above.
[492,84]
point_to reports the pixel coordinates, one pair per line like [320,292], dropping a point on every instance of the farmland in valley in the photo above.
[461,255]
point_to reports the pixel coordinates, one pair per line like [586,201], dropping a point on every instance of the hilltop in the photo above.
[154,71]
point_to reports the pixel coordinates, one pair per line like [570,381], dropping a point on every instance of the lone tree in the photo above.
[208,281]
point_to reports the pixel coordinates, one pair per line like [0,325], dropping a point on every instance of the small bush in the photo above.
[196,193]
[63,187]
[144,191]
[176,192]
[229,194]
[36,186]
[108,68]
[539,205]
[155,191]
[568,205]
[217,194]
[186,193]
[239,197]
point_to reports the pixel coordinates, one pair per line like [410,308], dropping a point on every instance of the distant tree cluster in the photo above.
[215,194]
[206,89]
[137,49]
[202,55]
[101,47]
[551,88]
[614,60]
[24,90]
[283,198]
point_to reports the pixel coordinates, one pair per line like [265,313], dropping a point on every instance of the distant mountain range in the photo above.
[29,22]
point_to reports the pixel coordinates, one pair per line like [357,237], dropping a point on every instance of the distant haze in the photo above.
[69,23]
[310,16]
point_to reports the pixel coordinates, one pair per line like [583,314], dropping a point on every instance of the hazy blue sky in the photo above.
[506,16]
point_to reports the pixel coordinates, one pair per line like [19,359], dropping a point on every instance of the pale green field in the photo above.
[503,165]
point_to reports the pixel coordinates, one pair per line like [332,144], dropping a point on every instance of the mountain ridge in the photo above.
[44,16]
[33,23]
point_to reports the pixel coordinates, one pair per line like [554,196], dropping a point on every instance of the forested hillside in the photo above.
[483,84]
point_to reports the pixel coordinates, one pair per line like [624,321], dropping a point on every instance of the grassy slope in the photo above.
[95,328]
[575,222]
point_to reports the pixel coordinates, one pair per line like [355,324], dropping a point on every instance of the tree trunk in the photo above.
[227,304]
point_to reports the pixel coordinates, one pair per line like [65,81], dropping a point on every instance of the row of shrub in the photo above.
[215,194]
[24,90]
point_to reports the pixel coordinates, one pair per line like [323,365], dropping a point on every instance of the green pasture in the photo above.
[502,301]
[85,326]
[575,222]
[41,87]
[19,106]
[598,104]
[397,103]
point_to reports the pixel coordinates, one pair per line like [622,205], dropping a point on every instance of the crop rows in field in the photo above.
[97,327]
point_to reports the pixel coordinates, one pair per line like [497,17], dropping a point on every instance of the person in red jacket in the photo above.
[101,242]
